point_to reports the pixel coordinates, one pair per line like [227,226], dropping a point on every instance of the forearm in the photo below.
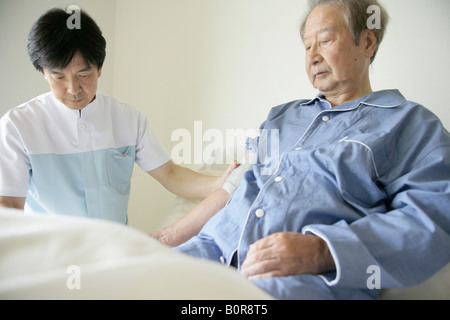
[190,184]
[12,202]
[187,183]
[408,242]
[191,224]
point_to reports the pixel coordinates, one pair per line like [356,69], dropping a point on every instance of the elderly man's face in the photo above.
[335,65]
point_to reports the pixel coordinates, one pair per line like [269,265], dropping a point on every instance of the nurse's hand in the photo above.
[233,165]
[286,254]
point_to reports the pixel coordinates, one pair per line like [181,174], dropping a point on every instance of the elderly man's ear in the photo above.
[370,41]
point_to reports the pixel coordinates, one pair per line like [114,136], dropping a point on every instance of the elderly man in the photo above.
[72,150]
[360,196]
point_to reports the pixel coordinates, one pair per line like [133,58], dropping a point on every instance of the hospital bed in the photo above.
[60,257]
[435,288]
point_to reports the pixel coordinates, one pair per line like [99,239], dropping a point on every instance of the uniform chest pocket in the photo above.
[119,165]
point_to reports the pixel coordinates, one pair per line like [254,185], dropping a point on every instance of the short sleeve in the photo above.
[150,153]
[14,161]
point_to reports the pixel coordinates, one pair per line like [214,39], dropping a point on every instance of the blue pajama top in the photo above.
[371,177]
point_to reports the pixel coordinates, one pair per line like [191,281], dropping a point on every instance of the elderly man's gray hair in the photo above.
[356,17]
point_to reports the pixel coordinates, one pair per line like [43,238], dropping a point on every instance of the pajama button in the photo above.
[278,179]
[260,213]
[325,118]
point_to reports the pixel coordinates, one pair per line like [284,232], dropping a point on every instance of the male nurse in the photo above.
[71,151]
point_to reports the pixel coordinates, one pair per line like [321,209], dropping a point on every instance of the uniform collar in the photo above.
[76,113]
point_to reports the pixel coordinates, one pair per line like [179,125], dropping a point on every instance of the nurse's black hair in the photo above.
[52,43]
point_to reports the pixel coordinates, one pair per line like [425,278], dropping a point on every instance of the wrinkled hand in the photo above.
[287,254]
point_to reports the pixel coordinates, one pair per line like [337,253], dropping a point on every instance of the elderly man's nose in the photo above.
[313,57]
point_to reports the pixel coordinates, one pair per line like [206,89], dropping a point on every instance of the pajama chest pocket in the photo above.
[119,165]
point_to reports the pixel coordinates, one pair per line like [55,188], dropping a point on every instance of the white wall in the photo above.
[414,56]
[224,62]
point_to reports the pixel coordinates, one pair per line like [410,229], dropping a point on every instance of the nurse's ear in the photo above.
[99,73]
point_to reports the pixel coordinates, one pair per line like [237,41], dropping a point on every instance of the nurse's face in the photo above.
[74,86]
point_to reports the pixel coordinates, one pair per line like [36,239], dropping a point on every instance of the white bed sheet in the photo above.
[118,262]
[110,262]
